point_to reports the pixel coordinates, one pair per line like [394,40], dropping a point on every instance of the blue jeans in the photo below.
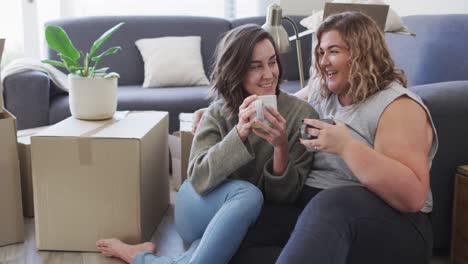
[214,223]
[353,225]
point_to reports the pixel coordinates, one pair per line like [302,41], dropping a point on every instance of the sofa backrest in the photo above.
[438,51]
[447,103]
[128,62]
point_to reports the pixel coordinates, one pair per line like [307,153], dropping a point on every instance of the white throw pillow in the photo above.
[172,61]
[393,24]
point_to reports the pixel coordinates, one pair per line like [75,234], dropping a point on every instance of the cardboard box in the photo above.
[11,219]
[180,143]
[24,153]
[459,253]
[100,179]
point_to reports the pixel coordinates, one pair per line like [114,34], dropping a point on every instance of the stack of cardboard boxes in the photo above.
[91,179]
[11,219]
[24,152]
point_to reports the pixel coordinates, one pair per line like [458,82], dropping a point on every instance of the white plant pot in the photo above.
[92,98]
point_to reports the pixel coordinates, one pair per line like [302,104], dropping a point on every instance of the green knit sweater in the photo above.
[218,153]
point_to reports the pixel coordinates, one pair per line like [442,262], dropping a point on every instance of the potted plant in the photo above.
[92,91]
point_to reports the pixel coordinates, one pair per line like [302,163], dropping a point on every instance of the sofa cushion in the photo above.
[172,61]
[436,53]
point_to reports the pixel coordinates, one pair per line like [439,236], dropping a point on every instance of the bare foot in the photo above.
[113,247]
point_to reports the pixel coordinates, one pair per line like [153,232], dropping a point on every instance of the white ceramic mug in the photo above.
[260,103]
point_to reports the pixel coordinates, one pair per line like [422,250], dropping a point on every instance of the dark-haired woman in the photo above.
[233,166]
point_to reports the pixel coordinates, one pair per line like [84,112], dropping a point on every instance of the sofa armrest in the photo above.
[27,96]
[447,102]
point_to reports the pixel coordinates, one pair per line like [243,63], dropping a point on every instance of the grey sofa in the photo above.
[435,61]
[35,101]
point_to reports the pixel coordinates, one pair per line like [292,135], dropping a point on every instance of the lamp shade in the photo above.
[275,28]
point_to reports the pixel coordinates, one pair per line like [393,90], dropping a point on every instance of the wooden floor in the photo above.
[165,237]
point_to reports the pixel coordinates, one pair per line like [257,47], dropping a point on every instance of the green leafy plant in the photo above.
[58,40]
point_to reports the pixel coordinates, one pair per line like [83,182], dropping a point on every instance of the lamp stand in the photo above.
[299,50]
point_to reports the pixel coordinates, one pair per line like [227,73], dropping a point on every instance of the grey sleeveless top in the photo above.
[329,170]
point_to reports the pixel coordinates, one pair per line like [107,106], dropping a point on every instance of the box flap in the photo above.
[186,120]
[7,139]
[6,115]
[175,146]
[30,131]
[72,127]
[135,125]
[8,123]
[126,124]
[24,136]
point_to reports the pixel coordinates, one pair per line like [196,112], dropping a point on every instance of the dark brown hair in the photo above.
[371,66]
[233,56]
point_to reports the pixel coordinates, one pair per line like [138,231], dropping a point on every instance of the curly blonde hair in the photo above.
[371,66]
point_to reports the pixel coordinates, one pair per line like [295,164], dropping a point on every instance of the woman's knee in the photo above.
[248,196]
[342,199]
[188,214]
[193,212]
[184,198]
[335,207]
[257,202]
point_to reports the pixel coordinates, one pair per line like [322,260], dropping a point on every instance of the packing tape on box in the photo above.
[84,151]
[116,118]
[84,141]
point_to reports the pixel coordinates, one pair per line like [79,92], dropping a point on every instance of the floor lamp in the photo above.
[273,25]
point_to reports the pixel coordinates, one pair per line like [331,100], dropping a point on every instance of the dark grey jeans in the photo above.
[340,225]
[270,233]
[353,225]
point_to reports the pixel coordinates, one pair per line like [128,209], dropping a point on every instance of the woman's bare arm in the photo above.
[397,169]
